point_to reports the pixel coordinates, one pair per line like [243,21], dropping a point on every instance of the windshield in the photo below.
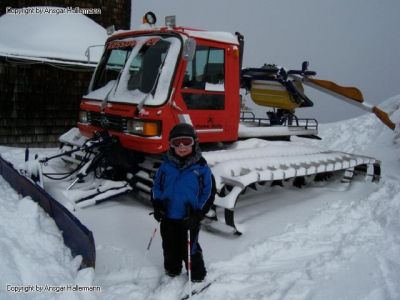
[133,69]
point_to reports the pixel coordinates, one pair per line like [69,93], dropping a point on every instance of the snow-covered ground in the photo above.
[332,241]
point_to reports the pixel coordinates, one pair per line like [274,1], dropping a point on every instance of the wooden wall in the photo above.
[38,102]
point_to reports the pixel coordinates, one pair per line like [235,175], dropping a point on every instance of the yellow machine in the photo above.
[274,94]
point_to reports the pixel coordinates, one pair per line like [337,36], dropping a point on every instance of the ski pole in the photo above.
[189,263]
[153,234]
[151,239]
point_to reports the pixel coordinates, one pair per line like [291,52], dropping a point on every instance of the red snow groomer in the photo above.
[149,80]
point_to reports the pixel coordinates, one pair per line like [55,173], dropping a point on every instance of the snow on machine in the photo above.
[148,80]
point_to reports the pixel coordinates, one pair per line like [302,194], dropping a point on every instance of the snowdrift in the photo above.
[76,236]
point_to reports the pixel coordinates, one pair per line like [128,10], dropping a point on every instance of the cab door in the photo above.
[204,91]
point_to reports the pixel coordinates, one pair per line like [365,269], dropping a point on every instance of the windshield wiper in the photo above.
[143,101]
[114,87]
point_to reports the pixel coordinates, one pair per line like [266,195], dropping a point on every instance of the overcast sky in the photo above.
[351,42]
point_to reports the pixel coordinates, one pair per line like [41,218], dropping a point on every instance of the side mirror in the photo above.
[189,49]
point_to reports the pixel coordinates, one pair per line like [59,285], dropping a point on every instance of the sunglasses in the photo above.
[185,141]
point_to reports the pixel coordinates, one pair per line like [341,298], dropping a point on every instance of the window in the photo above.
[145,67]
[204,101]
[207,70]
[111,66]
[203,84]
[136,70]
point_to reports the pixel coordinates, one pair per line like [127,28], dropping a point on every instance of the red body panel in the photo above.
[211,125]
[217,125]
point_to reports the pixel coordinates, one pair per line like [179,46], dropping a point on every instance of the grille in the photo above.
[111,122]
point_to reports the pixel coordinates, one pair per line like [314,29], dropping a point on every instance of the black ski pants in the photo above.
[174,244]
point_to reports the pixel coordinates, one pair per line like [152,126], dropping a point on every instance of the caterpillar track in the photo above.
[293,166]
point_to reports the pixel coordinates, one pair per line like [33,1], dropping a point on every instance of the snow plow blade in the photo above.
[76,236]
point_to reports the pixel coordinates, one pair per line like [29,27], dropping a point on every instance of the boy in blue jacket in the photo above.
[182,194]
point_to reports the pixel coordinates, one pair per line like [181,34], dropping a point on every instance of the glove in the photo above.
[159,210]
[193,220]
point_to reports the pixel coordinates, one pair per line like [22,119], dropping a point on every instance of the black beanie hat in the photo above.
[182,129]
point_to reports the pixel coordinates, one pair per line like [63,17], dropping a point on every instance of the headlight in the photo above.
[144,128]
[83,116]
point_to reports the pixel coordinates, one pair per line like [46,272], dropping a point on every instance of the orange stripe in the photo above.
[349,92]
[384,117]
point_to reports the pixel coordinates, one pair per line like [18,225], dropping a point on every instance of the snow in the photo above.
[32,249]
[326,241]
[50,37]
[224,37]
[217,87]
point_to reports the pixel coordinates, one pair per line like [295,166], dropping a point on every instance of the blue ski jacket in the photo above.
[180,188]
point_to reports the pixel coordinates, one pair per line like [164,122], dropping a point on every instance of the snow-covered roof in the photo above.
[220,36]
[51,37]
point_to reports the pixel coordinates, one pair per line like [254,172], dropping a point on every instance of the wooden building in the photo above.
[116,12]
[39,96]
